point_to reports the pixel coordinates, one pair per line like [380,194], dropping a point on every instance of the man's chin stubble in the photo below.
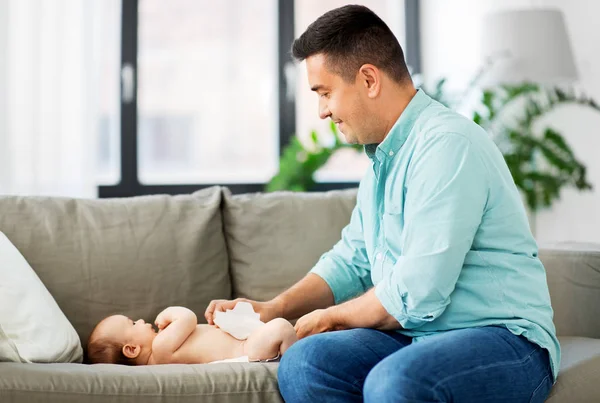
[350,140]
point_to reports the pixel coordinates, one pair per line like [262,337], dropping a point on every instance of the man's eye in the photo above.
[325,95]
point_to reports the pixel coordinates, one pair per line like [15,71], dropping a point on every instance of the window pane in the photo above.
[207,91]
[345,165]
[107,44]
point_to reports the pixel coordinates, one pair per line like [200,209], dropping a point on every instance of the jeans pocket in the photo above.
[541,392]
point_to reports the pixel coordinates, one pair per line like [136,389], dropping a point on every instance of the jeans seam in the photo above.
[497,364]
[357,382]
[509,342]
[538,388]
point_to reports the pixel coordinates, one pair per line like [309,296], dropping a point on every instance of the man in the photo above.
[435,292]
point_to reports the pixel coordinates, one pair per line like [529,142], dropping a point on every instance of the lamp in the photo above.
[530,45]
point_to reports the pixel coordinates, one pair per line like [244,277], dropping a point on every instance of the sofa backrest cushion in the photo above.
[133,256]
[274,239]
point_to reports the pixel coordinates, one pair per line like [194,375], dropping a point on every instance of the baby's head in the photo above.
[119,340]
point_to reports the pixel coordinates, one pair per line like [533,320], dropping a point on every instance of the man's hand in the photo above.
[267,310]
[318,321]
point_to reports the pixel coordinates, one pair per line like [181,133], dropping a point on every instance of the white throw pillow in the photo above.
[32,326]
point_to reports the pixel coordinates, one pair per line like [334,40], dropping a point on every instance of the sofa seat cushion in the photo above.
[104,383]
[230,382]
[578,379]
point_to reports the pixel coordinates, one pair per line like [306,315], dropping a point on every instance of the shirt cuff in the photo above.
[393,299]
[342,288]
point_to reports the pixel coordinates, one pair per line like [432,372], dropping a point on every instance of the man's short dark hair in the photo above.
[349,37]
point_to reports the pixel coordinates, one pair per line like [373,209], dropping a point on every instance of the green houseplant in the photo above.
[299,163]
[540,161]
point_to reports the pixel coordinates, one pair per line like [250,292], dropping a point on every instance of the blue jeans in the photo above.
[483,364]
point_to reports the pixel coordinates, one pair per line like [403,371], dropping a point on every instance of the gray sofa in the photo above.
[139,255]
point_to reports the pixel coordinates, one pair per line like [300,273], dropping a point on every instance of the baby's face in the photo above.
[122,328]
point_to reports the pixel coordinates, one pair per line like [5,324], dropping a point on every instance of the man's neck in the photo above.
[398,104]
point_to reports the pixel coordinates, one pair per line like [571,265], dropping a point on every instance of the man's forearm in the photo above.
[308,294]
[365,311]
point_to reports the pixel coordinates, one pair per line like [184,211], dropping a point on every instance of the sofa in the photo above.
[138,255]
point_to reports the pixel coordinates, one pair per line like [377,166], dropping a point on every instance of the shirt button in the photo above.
[378,256]
[391,153]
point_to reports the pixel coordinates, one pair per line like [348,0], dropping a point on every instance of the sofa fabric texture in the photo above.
[274,239]
[132,256]
[139,255]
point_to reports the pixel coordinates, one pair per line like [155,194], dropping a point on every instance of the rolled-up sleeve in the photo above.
[346,268]
[446,194]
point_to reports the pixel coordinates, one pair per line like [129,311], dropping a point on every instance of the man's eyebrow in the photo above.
[317,87]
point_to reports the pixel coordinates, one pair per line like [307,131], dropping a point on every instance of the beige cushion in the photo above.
[573,271]
[74,383]
[578,379]
[274,239]
[134,256]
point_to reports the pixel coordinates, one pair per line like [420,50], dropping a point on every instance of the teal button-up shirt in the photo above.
[440,231]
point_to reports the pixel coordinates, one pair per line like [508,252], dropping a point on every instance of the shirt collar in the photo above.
[397,136]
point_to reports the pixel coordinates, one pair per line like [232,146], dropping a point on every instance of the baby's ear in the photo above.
[131,351]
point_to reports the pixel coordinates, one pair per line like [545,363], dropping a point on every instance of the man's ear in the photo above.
[131,351]
[370,76]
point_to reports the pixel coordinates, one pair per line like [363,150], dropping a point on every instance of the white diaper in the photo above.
[239,322]
[243,358]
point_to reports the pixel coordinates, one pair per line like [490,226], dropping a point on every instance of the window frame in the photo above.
[129,184]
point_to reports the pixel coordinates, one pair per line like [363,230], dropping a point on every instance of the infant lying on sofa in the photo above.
[181,340]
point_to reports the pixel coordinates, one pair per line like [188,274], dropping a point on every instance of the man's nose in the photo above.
[324,112]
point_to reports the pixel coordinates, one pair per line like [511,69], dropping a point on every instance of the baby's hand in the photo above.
[162,321]
[166,317]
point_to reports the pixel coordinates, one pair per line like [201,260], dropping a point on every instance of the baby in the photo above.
[180,340]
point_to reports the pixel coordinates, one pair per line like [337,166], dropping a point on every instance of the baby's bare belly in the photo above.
[208,343]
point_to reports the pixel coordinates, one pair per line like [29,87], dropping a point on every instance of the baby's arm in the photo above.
[175,324]
[270,341]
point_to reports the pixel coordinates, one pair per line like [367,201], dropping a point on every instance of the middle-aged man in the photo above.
[435,292]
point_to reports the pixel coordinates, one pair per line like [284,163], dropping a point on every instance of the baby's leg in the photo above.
[270,341]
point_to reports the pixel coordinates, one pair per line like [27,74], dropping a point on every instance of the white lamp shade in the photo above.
[527,46]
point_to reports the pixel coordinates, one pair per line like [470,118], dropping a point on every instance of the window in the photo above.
[209,94]
[107,144]
[207,100]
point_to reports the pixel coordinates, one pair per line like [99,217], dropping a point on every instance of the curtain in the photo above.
[50,82]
